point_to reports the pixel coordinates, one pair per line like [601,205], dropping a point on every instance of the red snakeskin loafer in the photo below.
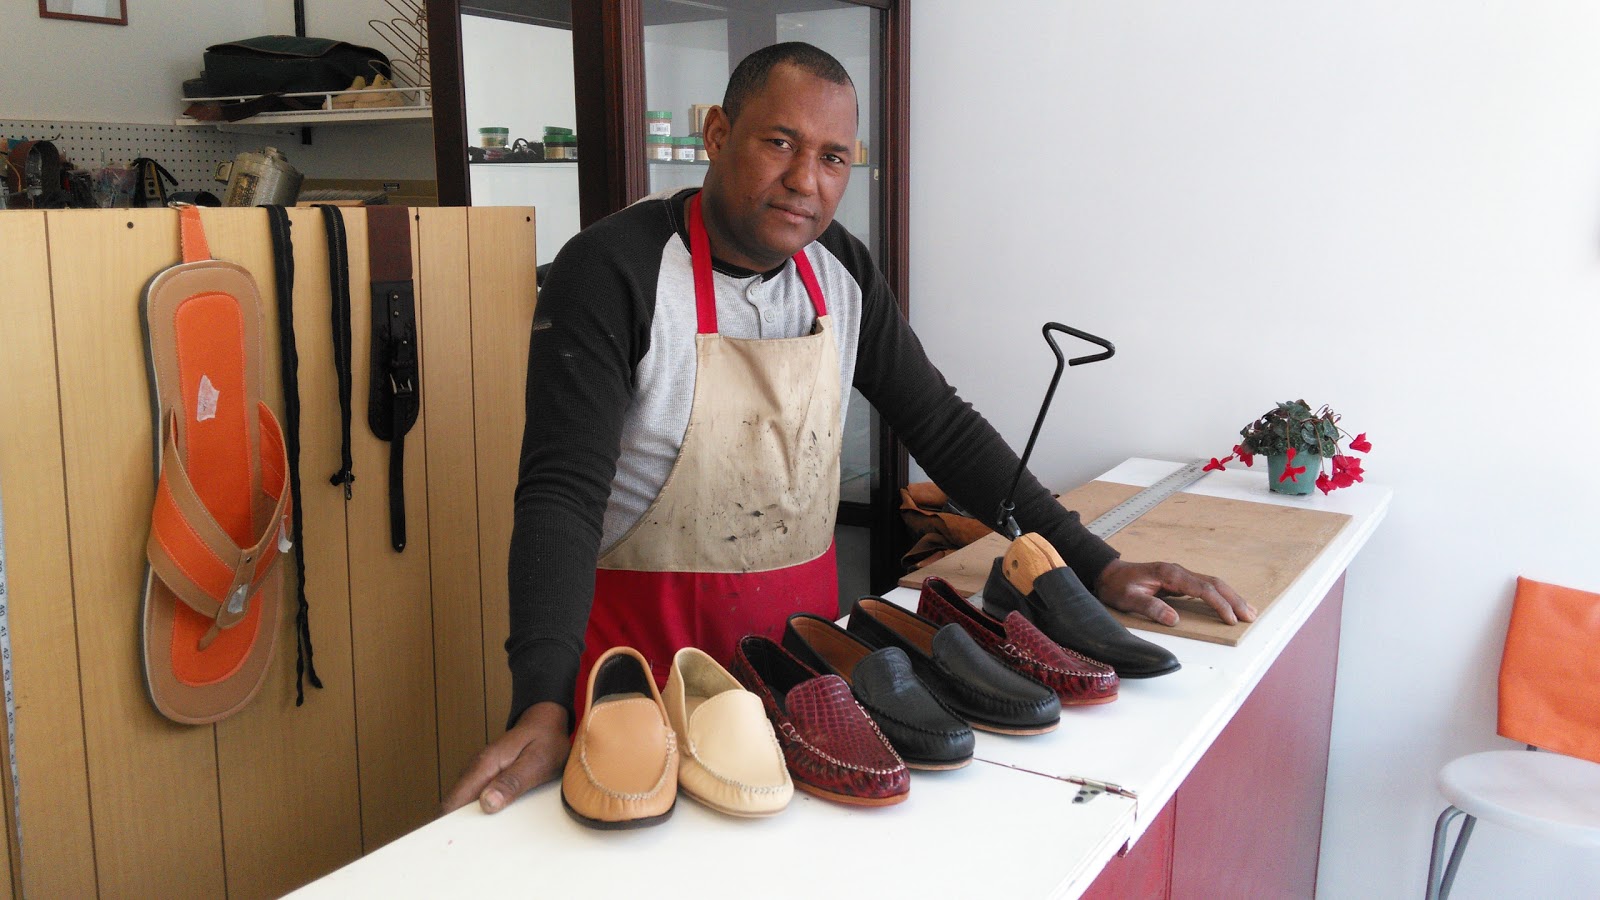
[1076,679]
[833,748]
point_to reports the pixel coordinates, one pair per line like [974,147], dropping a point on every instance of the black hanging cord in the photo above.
[339,281]
[1004,523]
[283,271]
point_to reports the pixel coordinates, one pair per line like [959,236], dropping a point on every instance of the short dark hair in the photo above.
[750,76]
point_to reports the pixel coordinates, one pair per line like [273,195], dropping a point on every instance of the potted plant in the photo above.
[1297,441]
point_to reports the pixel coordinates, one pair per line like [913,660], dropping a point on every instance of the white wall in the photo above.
[91,72]
[1417,187]
[87,72]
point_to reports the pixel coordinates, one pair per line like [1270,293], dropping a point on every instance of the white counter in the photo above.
[987,829]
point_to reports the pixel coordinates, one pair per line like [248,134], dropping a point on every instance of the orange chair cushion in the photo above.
[1550,674]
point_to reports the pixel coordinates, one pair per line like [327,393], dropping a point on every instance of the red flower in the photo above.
[1217,465]
[1360,444]
[1291,472]
[1244,456]
[1325,484]
[1348,465]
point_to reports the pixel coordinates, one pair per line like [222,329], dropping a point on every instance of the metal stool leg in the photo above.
[1439,884]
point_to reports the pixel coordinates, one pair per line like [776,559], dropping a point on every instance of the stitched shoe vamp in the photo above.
[624,764]
[732,760]
[1074,677]
[983,688]
[918,726]
[832,744]
[1071,616]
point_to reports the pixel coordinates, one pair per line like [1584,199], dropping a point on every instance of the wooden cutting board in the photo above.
[1257,548]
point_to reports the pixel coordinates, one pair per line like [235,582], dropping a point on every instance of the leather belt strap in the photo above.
[392,397]
[36,182]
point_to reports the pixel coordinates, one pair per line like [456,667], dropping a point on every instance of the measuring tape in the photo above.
[11,700]
[1123,514]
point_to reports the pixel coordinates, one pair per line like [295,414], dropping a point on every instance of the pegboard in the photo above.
[190,154]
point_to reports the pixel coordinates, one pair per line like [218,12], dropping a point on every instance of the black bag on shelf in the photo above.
[281,63]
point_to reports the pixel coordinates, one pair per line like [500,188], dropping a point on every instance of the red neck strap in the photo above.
[705,291]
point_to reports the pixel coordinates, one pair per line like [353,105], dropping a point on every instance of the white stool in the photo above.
[1546,794]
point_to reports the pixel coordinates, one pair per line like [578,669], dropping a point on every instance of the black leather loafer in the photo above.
[1069,614]
[971,682]
[924,731]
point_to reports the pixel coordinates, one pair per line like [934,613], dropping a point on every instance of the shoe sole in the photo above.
[849,800]
[740,813]
[605,825]
[1175,667]
[937,765]
[1014,729]
[1094,702]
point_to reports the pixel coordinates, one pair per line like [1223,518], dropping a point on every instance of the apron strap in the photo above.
[705,291]
[802,264]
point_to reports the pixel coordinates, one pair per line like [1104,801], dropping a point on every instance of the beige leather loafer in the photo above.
[729,758]
[623,769]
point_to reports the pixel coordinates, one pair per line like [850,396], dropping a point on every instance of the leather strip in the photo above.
[278,225]
[393,400]
[339,285]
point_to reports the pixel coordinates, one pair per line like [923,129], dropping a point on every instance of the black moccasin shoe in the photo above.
[1069,614]
[924,731]
[969,681]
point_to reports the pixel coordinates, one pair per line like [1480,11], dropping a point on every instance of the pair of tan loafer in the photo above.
[380,93]
[633,750]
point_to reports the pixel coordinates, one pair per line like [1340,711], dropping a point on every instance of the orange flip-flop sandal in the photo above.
[212,599]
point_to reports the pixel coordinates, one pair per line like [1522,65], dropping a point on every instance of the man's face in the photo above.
[777,173]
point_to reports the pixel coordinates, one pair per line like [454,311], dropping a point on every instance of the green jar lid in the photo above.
[494,131]
[658,114]
[560,139]
[552,129]
[689,141]
[657,139]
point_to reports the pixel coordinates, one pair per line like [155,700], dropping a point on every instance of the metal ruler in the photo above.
[11,700]
[1123,514]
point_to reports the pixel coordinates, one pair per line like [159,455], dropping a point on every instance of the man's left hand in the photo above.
[1137,588]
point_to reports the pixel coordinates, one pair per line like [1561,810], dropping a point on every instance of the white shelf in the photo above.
[416,104]
[317,117]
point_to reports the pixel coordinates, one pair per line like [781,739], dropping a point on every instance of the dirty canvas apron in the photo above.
[741,535]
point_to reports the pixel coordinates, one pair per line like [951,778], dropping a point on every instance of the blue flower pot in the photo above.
[1303,483]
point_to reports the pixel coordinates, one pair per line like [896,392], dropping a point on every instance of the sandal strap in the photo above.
[192,235]
[193,555]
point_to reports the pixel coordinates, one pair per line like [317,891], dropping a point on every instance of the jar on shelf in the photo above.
[658,148]
[560,147]
[658,122]
[494,138]
[700,154]
[683,148]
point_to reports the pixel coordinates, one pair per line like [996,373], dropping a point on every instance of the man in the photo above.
[684,408]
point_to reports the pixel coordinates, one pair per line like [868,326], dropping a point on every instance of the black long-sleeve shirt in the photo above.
[605,380]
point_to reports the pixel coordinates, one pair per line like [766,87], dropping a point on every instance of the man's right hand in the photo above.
[533,752]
